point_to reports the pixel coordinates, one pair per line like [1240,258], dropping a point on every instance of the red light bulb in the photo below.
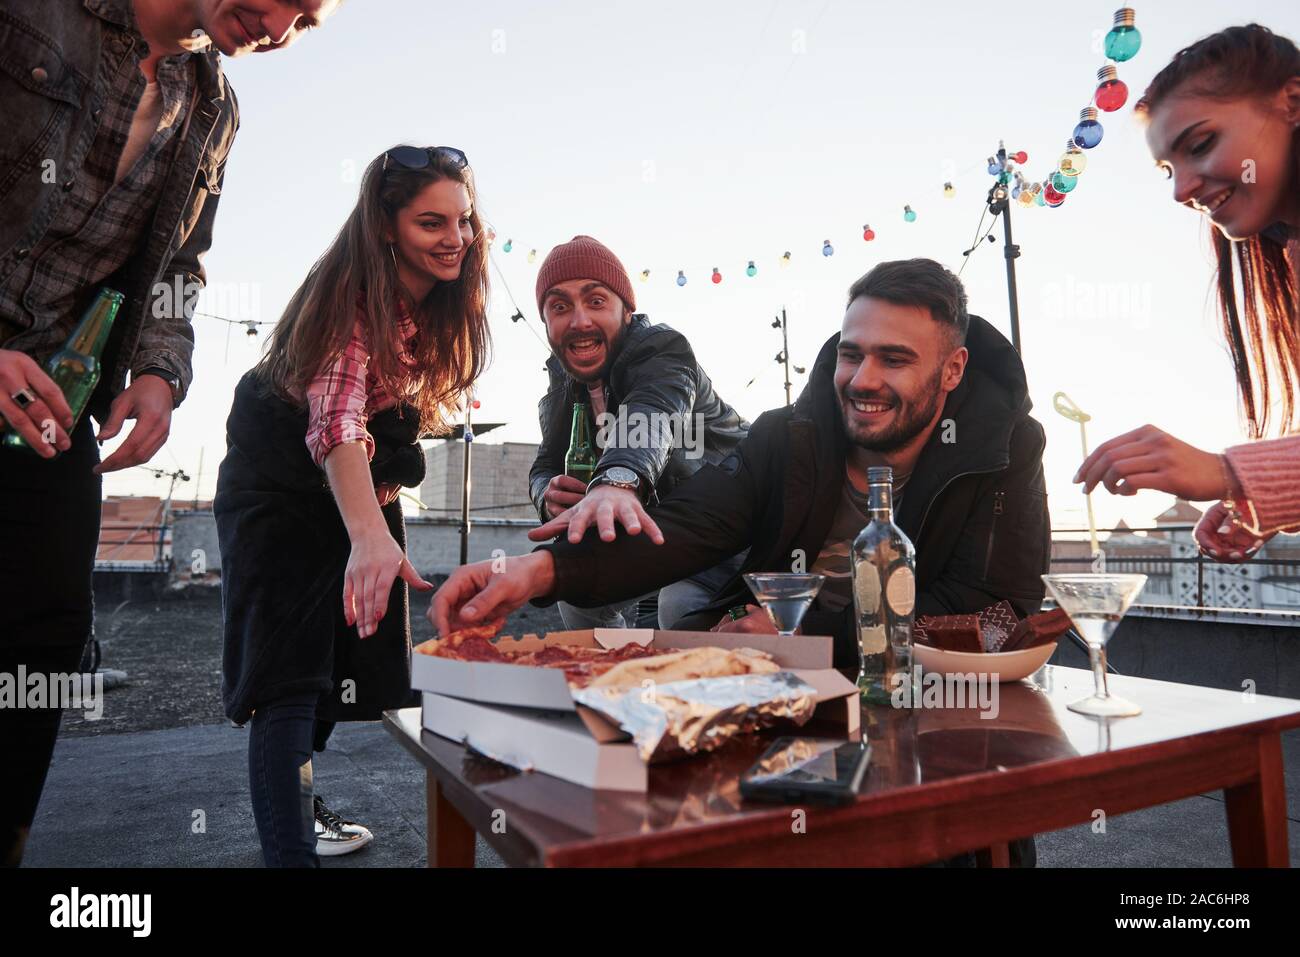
[1112,93]
[475,403]
[717,276]
[868,233]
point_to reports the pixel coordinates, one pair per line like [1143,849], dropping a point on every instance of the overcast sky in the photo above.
[688,136]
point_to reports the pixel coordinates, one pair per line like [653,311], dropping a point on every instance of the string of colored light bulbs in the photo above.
[1120,45]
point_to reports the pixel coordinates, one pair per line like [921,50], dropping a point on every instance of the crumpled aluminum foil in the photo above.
[688,717]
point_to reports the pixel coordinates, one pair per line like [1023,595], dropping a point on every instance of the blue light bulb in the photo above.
[827,249]
[681,278]
[1088,132]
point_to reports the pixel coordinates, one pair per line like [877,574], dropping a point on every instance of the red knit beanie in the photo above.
[584,258]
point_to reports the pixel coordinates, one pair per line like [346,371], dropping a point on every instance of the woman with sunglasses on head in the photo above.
[1223,121]
[376,348]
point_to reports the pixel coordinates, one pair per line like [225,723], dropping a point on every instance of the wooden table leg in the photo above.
[1257,811]
[450,838]
[995,855]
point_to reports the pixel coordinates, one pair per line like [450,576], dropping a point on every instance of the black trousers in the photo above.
[49,531]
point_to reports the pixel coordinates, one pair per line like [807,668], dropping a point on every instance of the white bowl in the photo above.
[1006,665]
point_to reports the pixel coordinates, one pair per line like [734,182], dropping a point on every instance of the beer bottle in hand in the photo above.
[580,461]
[75,368]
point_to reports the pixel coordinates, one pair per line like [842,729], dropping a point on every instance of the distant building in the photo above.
[1176,574]
[132,530]
[498,480]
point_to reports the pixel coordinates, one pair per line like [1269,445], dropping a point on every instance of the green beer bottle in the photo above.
[580,461]
[75,368]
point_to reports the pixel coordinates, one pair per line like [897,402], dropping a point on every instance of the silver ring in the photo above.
[23,397]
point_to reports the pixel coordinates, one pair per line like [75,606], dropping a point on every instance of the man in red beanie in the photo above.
[653,411]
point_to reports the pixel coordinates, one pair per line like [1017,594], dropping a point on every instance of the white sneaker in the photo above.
[335,836]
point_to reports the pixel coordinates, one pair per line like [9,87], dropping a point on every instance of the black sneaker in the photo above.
[335,836]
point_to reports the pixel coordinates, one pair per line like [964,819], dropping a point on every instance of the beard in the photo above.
[911,416]
[560,350]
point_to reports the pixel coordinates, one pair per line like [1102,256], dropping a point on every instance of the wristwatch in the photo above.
[618,477]
[173,381]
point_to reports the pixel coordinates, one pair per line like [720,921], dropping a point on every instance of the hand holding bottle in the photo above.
[44,420]
[562,493]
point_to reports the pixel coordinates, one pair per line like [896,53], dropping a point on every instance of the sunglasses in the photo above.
[421,157]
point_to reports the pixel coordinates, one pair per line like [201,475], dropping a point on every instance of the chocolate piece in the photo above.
[997,622]
[1038,630]
[953,632]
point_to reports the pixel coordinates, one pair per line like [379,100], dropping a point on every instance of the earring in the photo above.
[393,252]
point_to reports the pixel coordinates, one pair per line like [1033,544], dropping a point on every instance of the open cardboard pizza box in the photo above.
[526,716]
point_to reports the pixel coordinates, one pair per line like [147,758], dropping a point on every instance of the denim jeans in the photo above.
[680,599]
[603,616]
[280,742]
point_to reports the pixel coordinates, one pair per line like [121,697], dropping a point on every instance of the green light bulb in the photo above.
[1124,39]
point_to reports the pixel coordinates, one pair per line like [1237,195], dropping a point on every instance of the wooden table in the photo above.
[941,782]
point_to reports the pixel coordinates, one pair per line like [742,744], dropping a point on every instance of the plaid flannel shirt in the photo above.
[341,400]
[101,223]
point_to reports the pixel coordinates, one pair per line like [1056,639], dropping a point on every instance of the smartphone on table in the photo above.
[807,770]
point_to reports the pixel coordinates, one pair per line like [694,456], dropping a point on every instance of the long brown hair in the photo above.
[1263,331]
[453,342]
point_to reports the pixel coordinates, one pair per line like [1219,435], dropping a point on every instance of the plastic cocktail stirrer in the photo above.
[1066,406]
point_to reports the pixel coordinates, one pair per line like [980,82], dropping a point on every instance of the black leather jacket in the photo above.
[654,371]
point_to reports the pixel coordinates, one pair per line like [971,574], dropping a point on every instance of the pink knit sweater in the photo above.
[1269,473]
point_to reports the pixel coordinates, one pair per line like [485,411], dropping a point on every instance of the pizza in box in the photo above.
[629,666]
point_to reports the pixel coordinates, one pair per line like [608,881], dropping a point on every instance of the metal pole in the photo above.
[464,490]
[1012,253]
[785,354]
[197,479]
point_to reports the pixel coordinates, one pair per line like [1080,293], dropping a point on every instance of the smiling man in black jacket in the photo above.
[911,381]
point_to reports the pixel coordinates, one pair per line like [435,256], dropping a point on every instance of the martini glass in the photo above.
[784,596]
[1096,604]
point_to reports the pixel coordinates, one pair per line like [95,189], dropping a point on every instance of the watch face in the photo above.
[623,476]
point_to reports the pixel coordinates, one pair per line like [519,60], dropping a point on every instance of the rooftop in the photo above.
[163,752]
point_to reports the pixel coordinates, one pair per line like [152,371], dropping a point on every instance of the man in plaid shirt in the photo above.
[117,123]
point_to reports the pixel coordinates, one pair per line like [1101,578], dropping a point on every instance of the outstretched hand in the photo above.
[489,591]
[1151,458]
[604,506]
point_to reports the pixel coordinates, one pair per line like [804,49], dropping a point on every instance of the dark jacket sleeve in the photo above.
[659,388]
[1005,543]
[167,335]
[549,461]
[707,518]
